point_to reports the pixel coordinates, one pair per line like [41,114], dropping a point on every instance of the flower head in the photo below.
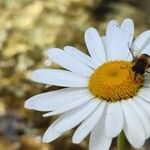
[101,95]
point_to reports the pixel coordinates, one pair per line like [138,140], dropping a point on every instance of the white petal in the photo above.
[95,46]
[56,99]
[126,35]
[144,104]
[128,27]
[147,76]
[133,128]
[144,119]
[73,117]
[144,92]
[114,119]
[147,83]
[59,77]
[111,39]
[98,138]
[146,50]
[80,56]
[104,42]
[50,134]
[69,62]
[118,39]
[70,105]
[85,128]
[141,41]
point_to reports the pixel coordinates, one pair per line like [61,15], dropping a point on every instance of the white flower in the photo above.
[101,95]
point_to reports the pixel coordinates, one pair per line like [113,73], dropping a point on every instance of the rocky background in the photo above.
[27,29]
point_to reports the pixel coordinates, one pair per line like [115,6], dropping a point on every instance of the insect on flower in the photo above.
[140,63]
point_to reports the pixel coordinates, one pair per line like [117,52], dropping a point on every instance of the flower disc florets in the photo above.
[114,81]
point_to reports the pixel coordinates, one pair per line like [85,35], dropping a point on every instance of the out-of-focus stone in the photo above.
[2,107]
[33,143]
[16,43]
[3,36]
[27,17]
[4,142]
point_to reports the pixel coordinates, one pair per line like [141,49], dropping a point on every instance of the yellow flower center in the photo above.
[114,81]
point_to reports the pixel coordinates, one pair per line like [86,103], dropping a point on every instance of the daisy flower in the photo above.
[101,96]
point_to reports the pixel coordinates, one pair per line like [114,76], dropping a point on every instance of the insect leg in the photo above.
[135,75]
[132,53]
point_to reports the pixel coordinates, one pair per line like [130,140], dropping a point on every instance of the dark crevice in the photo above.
[101,9]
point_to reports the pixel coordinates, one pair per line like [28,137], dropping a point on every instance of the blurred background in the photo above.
[27,29]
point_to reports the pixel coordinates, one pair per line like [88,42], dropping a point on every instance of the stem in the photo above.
[121,142]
